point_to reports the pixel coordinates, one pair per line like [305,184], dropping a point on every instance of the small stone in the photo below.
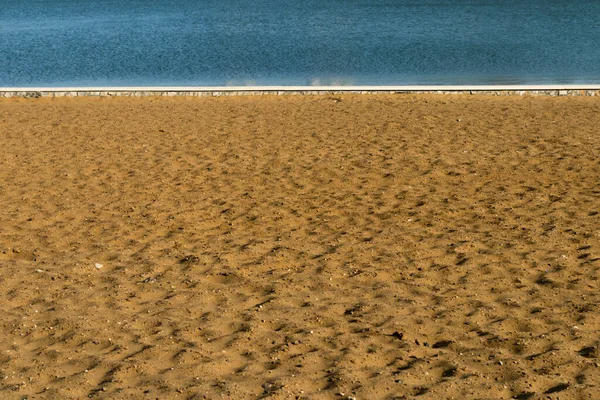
[98,266]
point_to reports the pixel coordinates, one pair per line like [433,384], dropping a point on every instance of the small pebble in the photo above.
[98,266]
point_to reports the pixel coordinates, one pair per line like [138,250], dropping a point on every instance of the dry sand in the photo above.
[368,247]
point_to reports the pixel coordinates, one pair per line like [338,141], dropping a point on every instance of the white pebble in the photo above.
[98,266]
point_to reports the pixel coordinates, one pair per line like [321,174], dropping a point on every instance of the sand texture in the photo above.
[298,247]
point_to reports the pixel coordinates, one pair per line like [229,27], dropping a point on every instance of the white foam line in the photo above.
[415,88]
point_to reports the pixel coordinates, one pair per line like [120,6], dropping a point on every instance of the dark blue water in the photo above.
[298,42]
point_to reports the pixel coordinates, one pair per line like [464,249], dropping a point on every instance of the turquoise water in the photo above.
[302,42]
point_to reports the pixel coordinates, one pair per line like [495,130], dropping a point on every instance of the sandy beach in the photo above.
[300,247]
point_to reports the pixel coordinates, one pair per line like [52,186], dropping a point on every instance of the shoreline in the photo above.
[202,91]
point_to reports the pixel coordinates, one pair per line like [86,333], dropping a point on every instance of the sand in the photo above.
[298,247]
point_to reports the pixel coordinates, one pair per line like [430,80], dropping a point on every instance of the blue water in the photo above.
[298,42]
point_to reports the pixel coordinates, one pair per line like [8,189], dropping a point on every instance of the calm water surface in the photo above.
[298,42]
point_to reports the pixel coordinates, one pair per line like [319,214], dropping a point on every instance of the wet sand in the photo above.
[300,247]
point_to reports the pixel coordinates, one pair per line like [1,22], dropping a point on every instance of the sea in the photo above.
[78,43]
